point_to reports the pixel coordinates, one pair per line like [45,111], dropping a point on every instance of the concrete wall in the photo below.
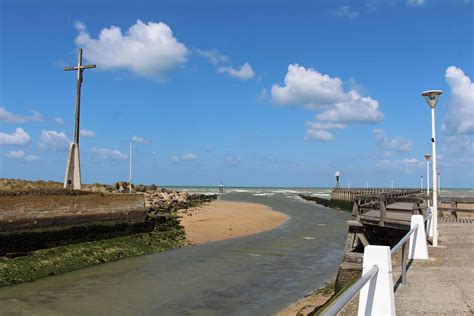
[40,211]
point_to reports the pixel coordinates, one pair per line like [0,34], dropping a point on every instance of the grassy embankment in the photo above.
[52,261]
[167,234]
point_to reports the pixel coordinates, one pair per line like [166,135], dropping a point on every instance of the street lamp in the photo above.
[432,97]
[439,183]
[427,159]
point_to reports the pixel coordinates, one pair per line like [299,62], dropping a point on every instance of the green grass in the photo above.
[67,258]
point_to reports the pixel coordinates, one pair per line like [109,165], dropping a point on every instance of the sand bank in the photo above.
[221,220]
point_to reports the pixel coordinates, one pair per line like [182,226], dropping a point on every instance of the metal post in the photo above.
[404,264]
[78,96]
[435,180]
[130,172]
[428,177]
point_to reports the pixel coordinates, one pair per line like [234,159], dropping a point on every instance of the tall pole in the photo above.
[78,96]
[421,184]
[439,183]
[428,177]
[435,180]
[130,172]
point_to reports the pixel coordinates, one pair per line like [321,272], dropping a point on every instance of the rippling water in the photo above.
[253,275]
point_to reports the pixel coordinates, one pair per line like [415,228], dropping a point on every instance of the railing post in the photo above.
[418,244]
[404,264]
[430,222]
[377,296]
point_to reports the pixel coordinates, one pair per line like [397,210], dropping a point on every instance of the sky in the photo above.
[253,93]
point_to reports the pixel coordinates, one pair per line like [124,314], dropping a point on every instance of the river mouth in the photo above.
[253,275]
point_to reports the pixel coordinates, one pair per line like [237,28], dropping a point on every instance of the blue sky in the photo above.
[263,93]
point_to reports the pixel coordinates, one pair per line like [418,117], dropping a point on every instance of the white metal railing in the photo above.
[351,292]
[376,282]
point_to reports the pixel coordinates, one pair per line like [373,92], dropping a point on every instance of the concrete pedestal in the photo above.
[72,179]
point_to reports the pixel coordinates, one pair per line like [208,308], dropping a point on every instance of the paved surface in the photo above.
[442,285]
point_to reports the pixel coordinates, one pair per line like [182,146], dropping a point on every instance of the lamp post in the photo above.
[439,183]
[432,97]
[427,159]
[130,171]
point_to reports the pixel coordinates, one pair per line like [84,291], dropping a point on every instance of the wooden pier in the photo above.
[383,216]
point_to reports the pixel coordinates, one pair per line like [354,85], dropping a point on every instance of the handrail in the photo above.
[403,240]
[357,286]
[351,292]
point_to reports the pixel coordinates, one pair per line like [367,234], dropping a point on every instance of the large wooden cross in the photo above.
[72,180]
[80,68]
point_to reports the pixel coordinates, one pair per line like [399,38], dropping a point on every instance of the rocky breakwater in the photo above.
[163,206]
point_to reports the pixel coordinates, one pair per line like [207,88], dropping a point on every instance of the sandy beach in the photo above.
[221,220]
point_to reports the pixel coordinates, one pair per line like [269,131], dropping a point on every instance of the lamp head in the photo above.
[427,157]
[432,97]
[337,173]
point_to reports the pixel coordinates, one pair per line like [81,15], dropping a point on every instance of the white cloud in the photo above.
[146,49]
[20,155]
[54,140]
[189,157]
[388,147]
[416,3]
[412,162]
[139,140]
[346,12]
[319,92]
[184,157]
[86,133]
[213,56]
[105,153]
[459,118]
[325,126]
[244,73]
[263,96]
[318,131]
[356,109]
[18,138]
[231,160]
[59,120]
[307,87]
[9,117]
[318,135]
[406,165]
[457,150]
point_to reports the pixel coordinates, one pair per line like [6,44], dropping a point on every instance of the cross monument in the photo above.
[72,180]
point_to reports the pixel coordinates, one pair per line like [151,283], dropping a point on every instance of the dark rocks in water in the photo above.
[318,200]
[339,204]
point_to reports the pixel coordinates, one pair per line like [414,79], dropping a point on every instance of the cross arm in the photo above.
[80,67]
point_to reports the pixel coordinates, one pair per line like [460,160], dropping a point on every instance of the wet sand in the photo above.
[220,220]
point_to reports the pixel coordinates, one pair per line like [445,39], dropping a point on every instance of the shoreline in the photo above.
[221,220]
